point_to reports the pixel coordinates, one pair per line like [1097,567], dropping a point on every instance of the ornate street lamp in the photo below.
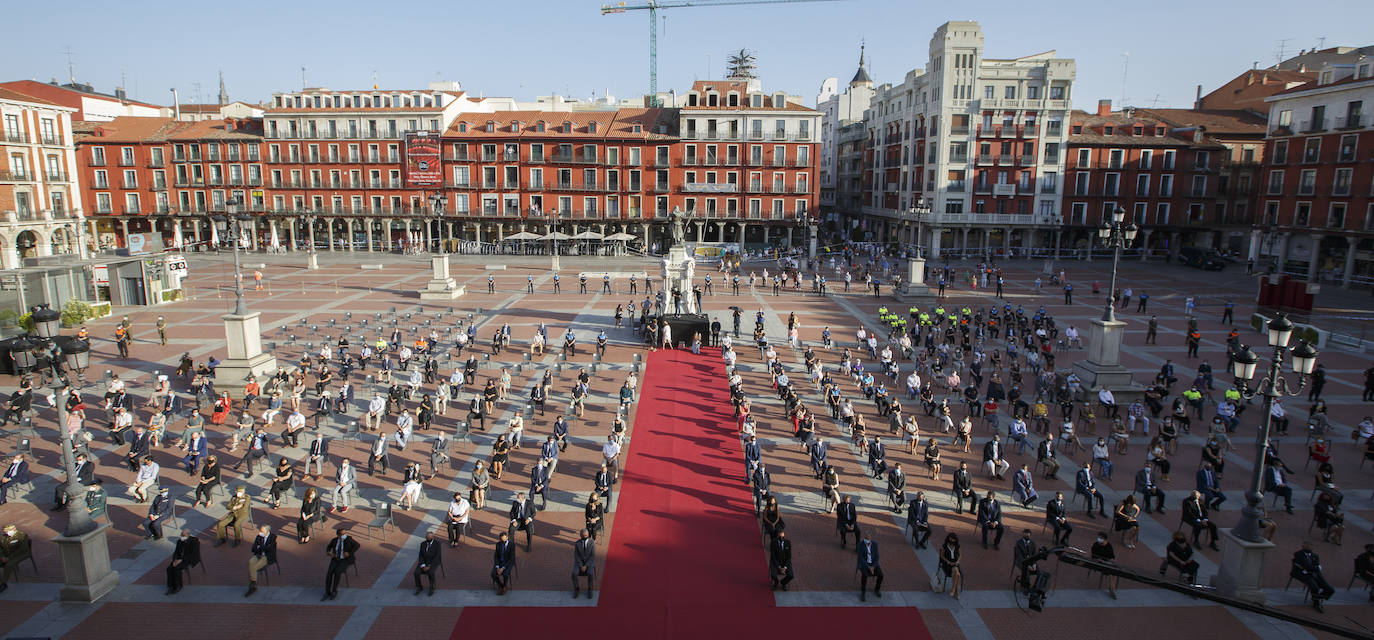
[229,223]
[1272,387]
[1115,235]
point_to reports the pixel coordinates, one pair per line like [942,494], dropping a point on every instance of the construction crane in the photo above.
[653,7]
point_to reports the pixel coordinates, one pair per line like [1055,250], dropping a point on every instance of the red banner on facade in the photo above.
[423,168]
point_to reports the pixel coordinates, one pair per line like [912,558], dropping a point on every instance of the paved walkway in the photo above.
[301,303]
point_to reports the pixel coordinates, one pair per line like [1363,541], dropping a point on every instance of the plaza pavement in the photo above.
[379,602]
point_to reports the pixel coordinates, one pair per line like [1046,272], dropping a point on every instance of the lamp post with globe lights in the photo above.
[1102,368]
[1241,570]
[82,545]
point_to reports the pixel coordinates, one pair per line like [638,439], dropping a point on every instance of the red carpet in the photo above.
[684,559]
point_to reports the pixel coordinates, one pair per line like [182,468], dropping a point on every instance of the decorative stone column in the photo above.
[1240,572]
[442,286]
[1349,270]
[1314,259]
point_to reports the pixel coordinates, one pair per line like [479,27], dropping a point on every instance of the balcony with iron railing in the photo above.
[986,159]
[49,139]
[1312,126]
[1349,121]
[18,137]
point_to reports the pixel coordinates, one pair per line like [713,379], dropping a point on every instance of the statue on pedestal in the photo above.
[677,221]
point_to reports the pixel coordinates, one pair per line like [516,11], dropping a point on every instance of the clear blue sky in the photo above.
[524,48]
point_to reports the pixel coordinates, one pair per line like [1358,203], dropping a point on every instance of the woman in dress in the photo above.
[1126,520]
[425,414]
[209,478]
[932,458]
[222,407]
[282,481]
[478,485]
[949,563]
[411,483]
[772,519]
[310,512]
[830,488]
[594,513]
[500,453]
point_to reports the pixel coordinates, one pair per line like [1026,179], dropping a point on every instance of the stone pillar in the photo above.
[1145,244]
[348,234]
[1057,235]
[936,233]
[367,227]
[742,227]
[291,235]
[442,286]
[1281,254]
[310,235]
[244,353]
[177,239]
[1252,251]
[1349,270]
[478,230]
[789,237]
[720,232]
[1006,242]
[1240,572]
[252,235]
[195,231]
[124,224]
[386,234]
[964,247]
[1314,261]
[1173,245]
[1028,242]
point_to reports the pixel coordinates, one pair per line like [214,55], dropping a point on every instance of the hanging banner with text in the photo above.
[423,168]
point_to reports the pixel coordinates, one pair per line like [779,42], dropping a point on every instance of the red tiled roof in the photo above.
[131,129]
[1215,121]
[10,94]
[1313,85]
[609,124]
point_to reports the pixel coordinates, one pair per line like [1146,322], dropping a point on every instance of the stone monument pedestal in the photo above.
[442,287]
[916,289]
[86,566]
[312,261]
[1102,367]
[243,342]
[677,271]
[1241,569]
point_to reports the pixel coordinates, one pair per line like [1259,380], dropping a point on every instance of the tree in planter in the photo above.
[76,312]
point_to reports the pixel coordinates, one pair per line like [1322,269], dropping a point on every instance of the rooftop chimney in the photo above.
[1104,107]
[176,106]
[1197,102]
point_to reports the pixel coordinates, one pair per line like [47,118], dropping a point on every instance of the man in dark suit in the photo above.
[761,481]
[522,519]
[158,511]
[868,567]
[257,449]
[1195,516]
[819,455]
[429,562]
[753,454]
[1146,487]
[316,457]
[16,473]
[1057,515]
[85,475]
[139,444]
[847,521]
[780,561]
[264,553]
[342,551]
[503,559]
[539,481]
[877,458]
[993,459]
[963,488]
[1025,549]
[377,455]
[584,562]
[1307,569]
[896,487]
[184,557]
[990,519]
[19,403]
[1209,485]
[1084,485]
[1045,453]
[918,520]
[1276,482]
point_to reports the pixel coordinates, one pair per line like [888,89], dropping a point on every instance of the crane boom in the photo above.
[653,6]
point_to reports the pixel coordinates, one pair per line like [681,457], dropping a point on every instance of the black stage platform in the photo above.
[685,324]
